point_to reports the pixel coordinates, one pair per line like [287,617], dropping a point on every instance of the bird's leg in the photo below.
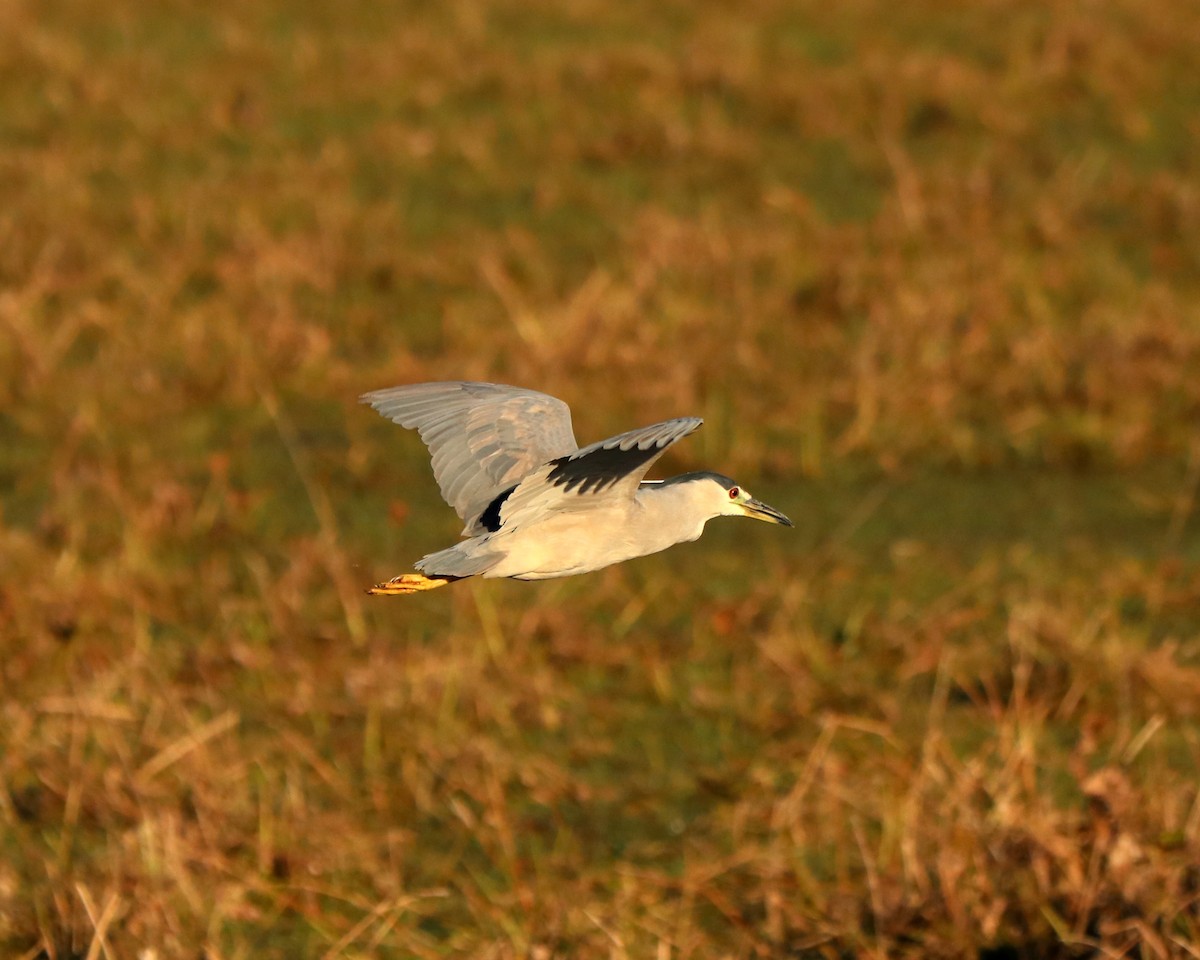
[408,583]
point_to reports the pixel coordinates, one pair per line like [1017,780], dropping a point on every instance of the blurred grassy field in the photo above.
[931,273]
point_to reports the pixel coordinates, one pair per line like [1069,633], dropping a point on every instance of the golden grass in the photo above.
[930,276]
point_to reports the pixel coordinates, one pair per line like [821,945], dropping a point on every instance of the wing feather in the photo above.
[625,457]
[613,467]
[482,437]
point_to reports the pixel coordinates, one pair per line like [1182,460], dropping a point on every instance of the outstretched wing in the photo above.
[612,468]
[625,457]
[483,437]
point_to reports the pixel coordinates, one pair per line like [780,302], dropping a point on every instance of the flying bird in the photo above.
[537,505]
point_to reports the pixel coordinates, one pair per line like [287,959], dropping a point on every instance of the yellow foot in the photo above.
[410,583]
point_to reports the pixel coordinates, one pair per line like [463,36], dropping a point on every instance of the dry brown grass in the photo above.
[929,274]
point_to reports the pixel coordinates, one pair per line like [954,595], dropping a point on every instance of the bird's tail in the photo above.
[408,583]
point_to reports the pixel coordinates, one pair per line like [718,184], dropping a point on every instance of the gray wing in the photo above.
[483,437]
[613,467]
[625,457]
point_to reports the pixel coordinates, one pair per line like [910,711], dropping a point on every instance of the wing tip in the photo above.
[657,436]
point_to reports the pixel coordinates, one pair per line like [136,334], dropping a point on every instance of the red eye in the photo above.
[733,493]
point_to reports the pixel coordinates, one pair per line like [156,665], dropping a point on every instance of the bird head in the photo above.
[730,499]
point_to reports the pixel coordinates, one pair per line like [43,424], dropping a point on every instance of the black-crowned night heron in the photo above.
[535,504]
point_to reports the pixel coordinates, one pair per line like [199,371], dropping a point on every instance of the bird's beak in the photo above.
[762,511]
